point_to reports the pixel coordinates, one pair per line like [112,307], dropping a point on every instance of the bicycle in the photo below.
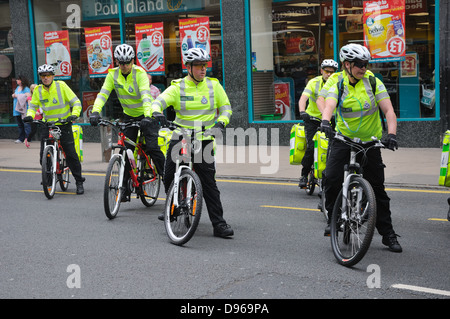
[54,163]
[185,196]
[354,213]
[144,180]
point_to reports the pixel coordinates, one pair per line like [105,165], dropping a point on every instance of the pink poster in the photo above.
[194,33]
[150,47]
[99,51]
[282,101]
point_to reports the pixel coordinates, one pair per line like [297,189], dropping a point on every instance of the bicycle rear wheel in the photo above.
[48,173]
[181,222]
[112,192]
[352,230]
[150,184]
[64,176]
[311,184]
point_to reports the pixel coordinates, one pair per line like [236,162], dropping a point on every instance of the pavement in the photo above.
[406,167]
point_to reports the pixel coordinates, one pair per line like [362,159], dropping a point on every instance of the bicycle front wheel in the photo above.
[48,172]
[112,192]
[150,184]
[181,222]
[64,176]
[352,230]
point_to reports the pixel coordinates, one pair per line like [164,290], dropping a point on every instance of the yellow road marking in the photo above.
[438,219]
[286,207]
[37,191]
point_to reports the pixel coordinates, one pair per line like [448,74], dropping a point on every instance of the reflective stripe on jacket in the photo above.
[195,106]
[56,102]
[133,92]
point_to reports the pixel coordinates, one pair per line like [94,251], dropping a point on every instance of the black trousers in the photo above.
[373,171]
[151,142]
[308,159]
[206,171]
[68,146]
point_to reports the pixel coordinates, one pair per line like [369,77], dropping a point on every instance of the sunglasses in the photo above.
[360,64]
[46,76]
[201,65]
[328,71]
[124,63]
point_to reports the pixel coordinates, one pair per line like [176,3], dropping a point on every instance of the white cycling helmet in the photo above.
[196,54]
[353,51]
[329,63]
[46,68]
[124,53]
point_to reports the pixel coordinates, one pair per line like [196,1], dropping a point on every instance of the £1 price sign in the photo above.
[396,46]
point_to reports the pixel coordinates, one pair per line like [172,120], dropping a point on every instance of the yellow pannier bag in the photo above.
[320,153]
[297,144]
[164,137]
[78,139]
[444,175]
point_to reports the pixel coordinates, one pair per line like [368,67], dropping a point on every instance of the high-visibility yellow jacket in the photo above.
[195,106]
[133,92]
[312,91]
[56,102]
[359,116]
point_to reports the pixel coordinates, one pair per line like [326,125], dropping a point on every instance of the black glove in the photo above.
[326,128]
[219,127]
[71,118]
[27,119]
[305,116]
[146,122]
[390,142]
[160,118]
[94,118]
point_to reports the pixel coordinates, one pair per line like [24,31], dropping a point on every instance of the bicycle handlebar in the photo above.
[50,123]
[375,142]
[120,125]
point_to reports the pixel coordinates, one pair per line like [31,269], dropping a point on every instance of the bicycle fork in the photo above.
[176,182]
[353,166]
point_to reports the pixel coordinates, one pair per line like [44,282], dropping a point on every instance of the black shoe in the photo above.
[80,188]
[327,232]
[392,243]
[223,230]
[161,216]
[303,182]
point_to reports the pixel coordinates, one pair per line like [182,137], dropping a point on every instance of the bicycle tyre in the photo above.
[64,176]
[350,239]
[149,190]
[181,223]
[112,192]
[311,184]
[48,174]
[321,205]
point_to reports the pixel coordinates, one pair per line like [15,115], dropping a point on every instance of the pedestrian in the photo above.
[132,88]
[312,115]
[154,91]
[197,99]
[358,116]
[56,100]
[20,107]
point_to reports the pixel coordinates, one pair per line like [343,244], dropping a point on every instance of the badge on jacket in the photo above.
[55,100]
[204,100]
[130,89]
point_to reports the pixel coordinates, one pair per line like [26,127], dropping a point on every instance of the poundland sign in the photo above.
[101,9]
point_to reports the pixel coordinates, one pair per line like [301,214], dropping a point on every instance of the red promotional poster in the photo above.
[282,101]
[384,29]
[150,47]
[57,53]
[88,103]
[99,51]
[195,33]
[297,45]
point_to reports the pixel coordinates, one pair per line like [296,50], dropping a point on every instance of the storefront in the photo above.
[264,52]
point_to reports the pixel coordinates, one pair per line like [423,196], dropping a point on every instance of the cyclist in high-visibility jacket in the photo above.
[56,100]
[196,100]
[132,88]
[312,115]
[358,115]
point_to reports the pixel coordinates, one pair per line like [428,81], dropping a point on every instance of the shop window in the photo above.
[105,13]
[289,40]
